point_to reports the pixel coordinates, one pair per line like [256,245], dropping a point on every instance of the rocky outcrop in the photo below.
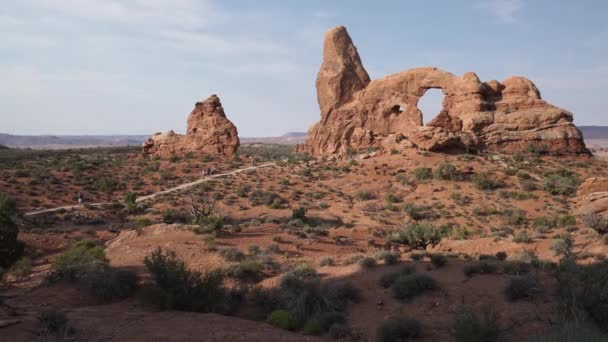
[357,113]
[209,132]
[592,197]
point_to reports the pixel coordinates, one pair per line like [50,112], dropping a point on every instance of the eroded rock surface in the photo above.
[209,132]
[358,114]
[592,197]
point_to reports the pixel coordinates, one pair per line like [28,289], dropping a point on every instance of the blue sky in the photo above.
[138,66]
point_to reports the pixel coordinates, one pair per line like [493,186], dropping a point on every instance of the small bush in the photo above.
[563,183]
[387,279]
[22,268]
[391,258]
[282,319]
[326,319]
[501,256]
[420,235]
[79,258]
[523,287]
[11,248]
[175,216]
[246,270]
[326,261]
[53,321]
[363,195]
[175,287]
[107,284]
[423,173]
[573,331]
[484,181]
[469,326]
[438,260]
[596,221]
[368,262]
[339,331]
[232,254]
[482,267]
[311,328]
[398,329]
[447,171]
[409,286]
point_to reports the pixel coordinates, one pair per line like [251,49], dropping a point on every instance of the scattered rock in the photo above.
[209,132]
[358,113]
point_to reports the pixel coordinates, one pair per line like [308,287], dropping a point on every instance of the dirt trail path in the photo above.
[156,194]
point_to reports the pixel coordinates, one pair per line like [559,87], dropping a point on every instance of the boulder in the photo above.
[209,132]
[592,197]
[357,113]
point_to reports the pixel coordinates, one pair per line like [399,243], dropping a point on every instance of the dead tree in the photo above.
[201,206]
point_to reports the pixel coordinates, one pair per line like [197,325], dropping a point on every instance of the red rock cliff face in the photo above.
[209,132]
[357,113]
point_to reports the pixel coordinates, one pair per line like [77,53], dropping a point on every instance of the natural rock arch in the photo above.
[358,113]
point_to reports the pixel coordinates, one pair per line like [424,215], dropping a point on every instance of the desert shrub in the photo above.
[299,213]
[107,284]
[267,198]
[387,279]
[339,331]
[11,248]
[522,287]
[516,268]
[571,331]
[53,321]
[419,212]
[326,319]
[438,260]
[175,287]
[501,255]
[78,259]
[514,216]
[364,195]
[106,184]
[583,291]
[562,245]
[246,270]
[391,258]
[231,254]
[470,326]
[566,220]
[409,286]
[484,181]
[265,301]
[482,267]
[175,216]
[447,171]
[522,237]
[562,182]
[22,268]
[311,328]
[326,261]
[543,224]
[282,319]
[420,235]
[423,173]
[243,190]
[368,262]
[398,329]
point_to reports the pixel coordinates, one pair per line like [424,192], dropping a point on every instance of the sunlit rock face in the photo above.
[358,113]
[209,132]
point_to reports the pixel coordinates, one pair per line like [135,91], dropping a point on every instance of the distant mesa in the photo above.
[209,132]
[358,113]
[2,147]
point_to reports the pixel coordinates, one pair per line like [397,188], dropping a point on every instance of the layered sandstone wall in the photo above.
[357,113]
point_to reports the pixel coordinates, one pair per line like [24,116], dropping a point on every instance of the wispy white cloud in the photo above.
[505,10]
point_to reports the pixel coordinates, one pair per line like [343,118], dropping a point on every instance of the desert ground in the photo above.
[485,222]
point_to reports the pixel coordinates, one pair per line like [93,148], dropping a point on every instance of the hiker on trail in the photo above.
[80,198]
[253,161]
[203,172]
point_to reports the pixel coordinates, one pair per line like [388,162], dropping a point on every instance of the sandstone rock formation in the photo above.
[592,197]
[358,113]
[209,132]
